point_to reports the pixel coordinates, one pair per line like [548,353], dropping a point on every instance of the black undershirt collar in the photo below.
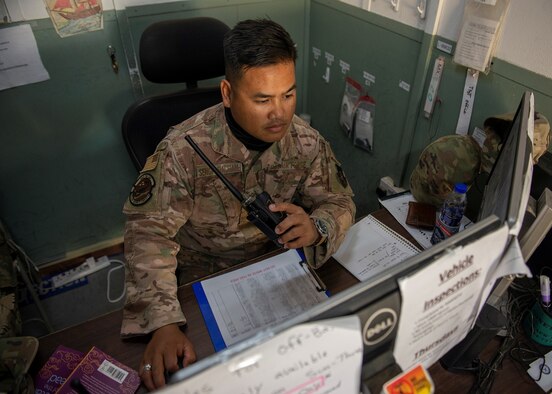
[243,136]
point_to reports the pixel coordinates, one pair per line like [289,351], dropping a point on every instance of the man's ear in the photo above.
[226,92]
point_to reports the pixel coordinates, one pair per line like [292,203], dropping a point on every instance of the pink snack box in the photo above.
[99,373]
[56,370]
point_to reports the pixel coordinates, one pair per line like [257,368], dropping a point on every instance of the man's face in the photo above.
[263,100]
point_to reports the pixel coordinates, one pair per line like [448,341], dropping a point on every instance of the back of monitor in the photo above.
[542,224]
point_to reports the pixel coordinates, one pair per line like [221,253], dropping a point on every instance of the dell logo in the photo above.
[379,326]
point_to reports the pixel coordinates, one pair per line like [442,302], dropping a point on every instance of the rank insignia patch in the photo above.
[141,191]
[151,162]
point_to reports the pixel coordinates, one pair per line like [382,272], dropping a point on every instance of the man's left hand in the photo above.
[297,229]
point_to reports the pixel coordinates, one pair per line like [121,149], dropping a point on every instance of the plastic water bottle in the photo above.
[448,220]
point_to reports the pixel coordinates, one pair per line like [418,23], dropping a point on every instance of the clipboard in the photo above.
[240,303]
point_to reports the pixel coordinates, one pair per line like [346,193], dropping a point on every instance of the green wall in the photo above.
[65,173]
[387,50]
[393,52]
[64,170]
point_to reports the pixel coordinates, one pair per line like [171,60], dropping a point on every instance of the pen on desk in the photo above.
[545,290]
[321,286]
[79,387]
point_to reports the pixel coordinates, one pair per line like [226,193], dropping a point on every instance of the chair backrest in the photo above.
[174,51]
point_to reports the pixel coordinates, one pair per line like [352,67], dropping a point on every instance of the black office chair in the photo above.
[174,51]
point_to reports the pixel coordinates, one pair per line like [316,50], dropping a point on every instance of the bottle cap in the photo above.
[460,188]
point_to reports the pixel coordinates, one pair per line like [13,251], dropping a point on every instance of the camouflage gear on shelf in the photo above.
[179,209]
[10,317]
[541,137]
[496,129]
[444,162]
[16,356]
[489,150]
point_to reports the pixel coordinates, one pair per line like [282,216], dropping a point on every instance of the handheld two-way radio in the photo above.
[255,205]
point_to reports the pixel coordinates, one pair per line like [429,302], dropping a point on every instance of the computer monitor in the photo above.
[507,190]
[505,196]
[377,302]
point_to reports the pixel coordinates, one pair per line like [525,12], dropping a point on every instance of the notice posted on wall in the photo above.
[20,62]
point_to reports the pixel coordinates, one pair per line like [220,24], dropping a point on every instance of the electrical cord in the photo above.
[122,265]
[436,113]
[520,299]
[37,319]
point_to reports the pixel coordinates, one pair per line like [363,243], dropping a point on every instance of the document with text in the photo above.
[371,247]
[238,304]
[441,301]
[20,62]
[317,357]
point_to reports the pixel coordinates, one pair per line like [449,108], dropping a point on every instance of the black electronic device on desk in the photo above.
[256,205]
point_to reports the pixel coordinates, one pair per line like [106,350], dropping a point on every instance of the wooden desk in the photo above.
[103,332]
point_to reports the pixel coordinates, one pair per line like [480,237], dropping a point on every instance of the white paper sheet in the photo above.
[20,62]
[475,42]
[398,207]
[371,247]
[260,295]
[468,98]
[321,357]
[441,302]
[512,263]
[541,373]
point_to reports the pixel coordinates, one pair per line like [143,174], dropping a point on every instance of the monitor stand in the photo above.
[488,324]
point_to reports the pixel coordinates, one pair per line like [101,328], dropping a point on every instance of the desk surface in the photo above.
[103,332]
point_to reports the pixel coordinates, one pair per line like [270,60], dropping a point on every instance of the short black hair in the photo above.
[256,43]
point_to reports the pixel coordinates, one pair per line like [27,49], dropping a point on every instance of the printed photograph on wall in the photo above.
[352,92]
[72,17]
[363,126]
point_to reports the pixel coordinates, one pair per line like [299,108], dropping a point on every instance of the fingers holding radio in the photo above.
[297,229]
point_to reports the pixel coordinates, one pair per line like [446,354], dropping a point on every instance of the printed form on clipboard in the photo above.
[238,304]
[370,247]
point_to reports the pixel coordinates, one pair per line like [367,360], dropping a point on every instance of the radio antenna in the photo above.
[230,187]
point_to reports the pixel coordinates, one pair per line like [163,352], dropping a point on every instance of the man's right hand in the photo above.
[168,344]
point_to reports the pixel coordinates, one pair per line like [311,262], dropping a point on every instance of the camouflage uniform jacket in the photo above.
[179,206]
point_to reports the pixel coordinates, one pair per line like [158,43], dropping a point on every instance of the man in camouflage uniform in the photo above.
[178,210]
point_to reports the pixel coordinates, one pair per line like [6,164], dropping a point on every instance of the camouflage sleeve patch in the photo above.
[338,182]
[144,196]
[142,189]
